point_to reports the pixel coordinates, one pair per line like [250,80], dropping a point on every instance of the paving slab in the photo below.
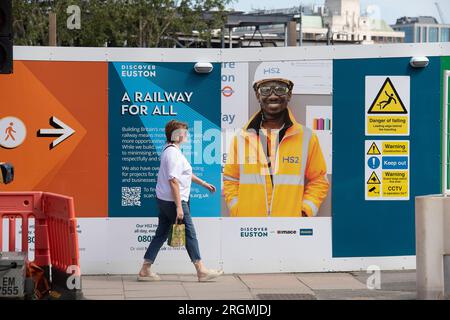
[157,291]
[223,295]
[331,281]
[364,295]
[268,281]
[98,282]
[100,285]
[392,280]
[285,296]
[229,283]
[143,286]
[108,278]
[158,298]
[131,284]
[112,297]
[215,290]
[399,286]
[103,292]
[396,285]
[303,290]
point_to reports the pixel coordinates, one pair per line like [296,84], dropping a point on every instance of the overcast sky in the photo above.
[389,10]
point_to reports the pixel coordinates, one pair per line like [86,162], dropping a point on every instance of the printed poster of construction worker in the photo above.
[143,97]
[278,162]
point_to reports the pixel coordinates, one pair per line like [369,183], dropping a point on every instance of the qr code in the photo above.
[131,196]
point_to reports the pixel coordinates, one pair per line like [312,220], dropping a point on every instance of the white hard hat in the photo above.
[258,82]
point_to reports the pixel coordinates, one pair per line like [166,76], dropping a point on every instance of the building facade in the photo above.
[347,23]
[338,22]
[423,29]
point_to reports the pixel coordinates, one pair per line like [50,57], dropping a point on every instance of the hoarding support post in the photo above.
[292,34]
[52,29]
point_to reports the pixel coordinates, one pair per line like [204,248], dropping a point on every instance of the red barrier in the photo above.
[62,230]
[56,241]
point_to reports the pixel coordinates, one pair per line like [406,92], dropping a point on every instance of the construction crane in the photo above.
[441,14]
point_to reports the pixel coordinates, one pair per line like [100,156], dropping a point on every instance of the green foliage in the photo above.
[117,23]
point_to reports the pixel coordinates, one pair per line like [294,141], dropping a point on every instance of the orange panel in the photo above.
[75,93]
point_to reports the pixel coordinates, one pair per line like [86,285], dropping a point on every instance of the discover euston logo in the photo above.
[138,70]
[254,232]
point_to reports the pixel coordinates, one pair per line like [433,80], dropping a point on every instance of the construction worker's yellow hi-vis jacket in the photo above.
[281,181]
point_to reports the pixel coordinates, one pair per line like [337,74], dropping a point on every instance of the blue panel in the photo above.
[380,228]
[202,114]
[395,163]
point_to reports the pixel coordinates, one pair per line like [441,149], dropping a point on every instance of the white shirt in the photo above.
[173,165]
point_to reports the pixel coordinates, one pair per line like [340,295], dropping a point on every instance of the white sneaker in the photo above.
[209,275]
[150,277]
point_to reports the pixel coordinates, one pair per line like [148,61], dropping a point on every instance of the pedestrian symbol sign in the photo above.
[373,150]
[373,179]
[12,132]
[388,101]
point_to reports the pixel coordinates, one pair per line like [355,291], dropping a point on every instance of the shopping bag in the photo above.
[177,235]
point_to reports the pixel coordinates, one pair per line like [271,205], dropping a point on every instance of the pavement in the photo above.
[395,285]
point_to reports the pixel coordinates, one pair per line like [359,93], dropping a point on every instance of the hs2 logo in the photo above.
[291,159]
[272,70]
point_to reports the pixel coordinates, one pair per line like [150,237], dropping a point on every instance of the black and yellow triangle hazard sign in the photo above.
[373,179]
[388,101]
[373,150]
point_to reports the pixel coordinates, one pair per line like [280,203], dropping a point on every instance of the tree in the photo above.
[30,23]
[117,23]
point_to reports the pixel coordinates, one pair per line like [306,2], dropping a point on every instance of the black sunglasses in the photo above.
[278,90]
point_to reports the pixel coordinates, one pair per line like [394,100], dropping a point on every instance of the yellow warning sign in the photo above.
[387,105]
[373,150]
[395,184]
[387,174]
[388,101]
[395,148]
[373,179]
[373,190]
[386,125]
